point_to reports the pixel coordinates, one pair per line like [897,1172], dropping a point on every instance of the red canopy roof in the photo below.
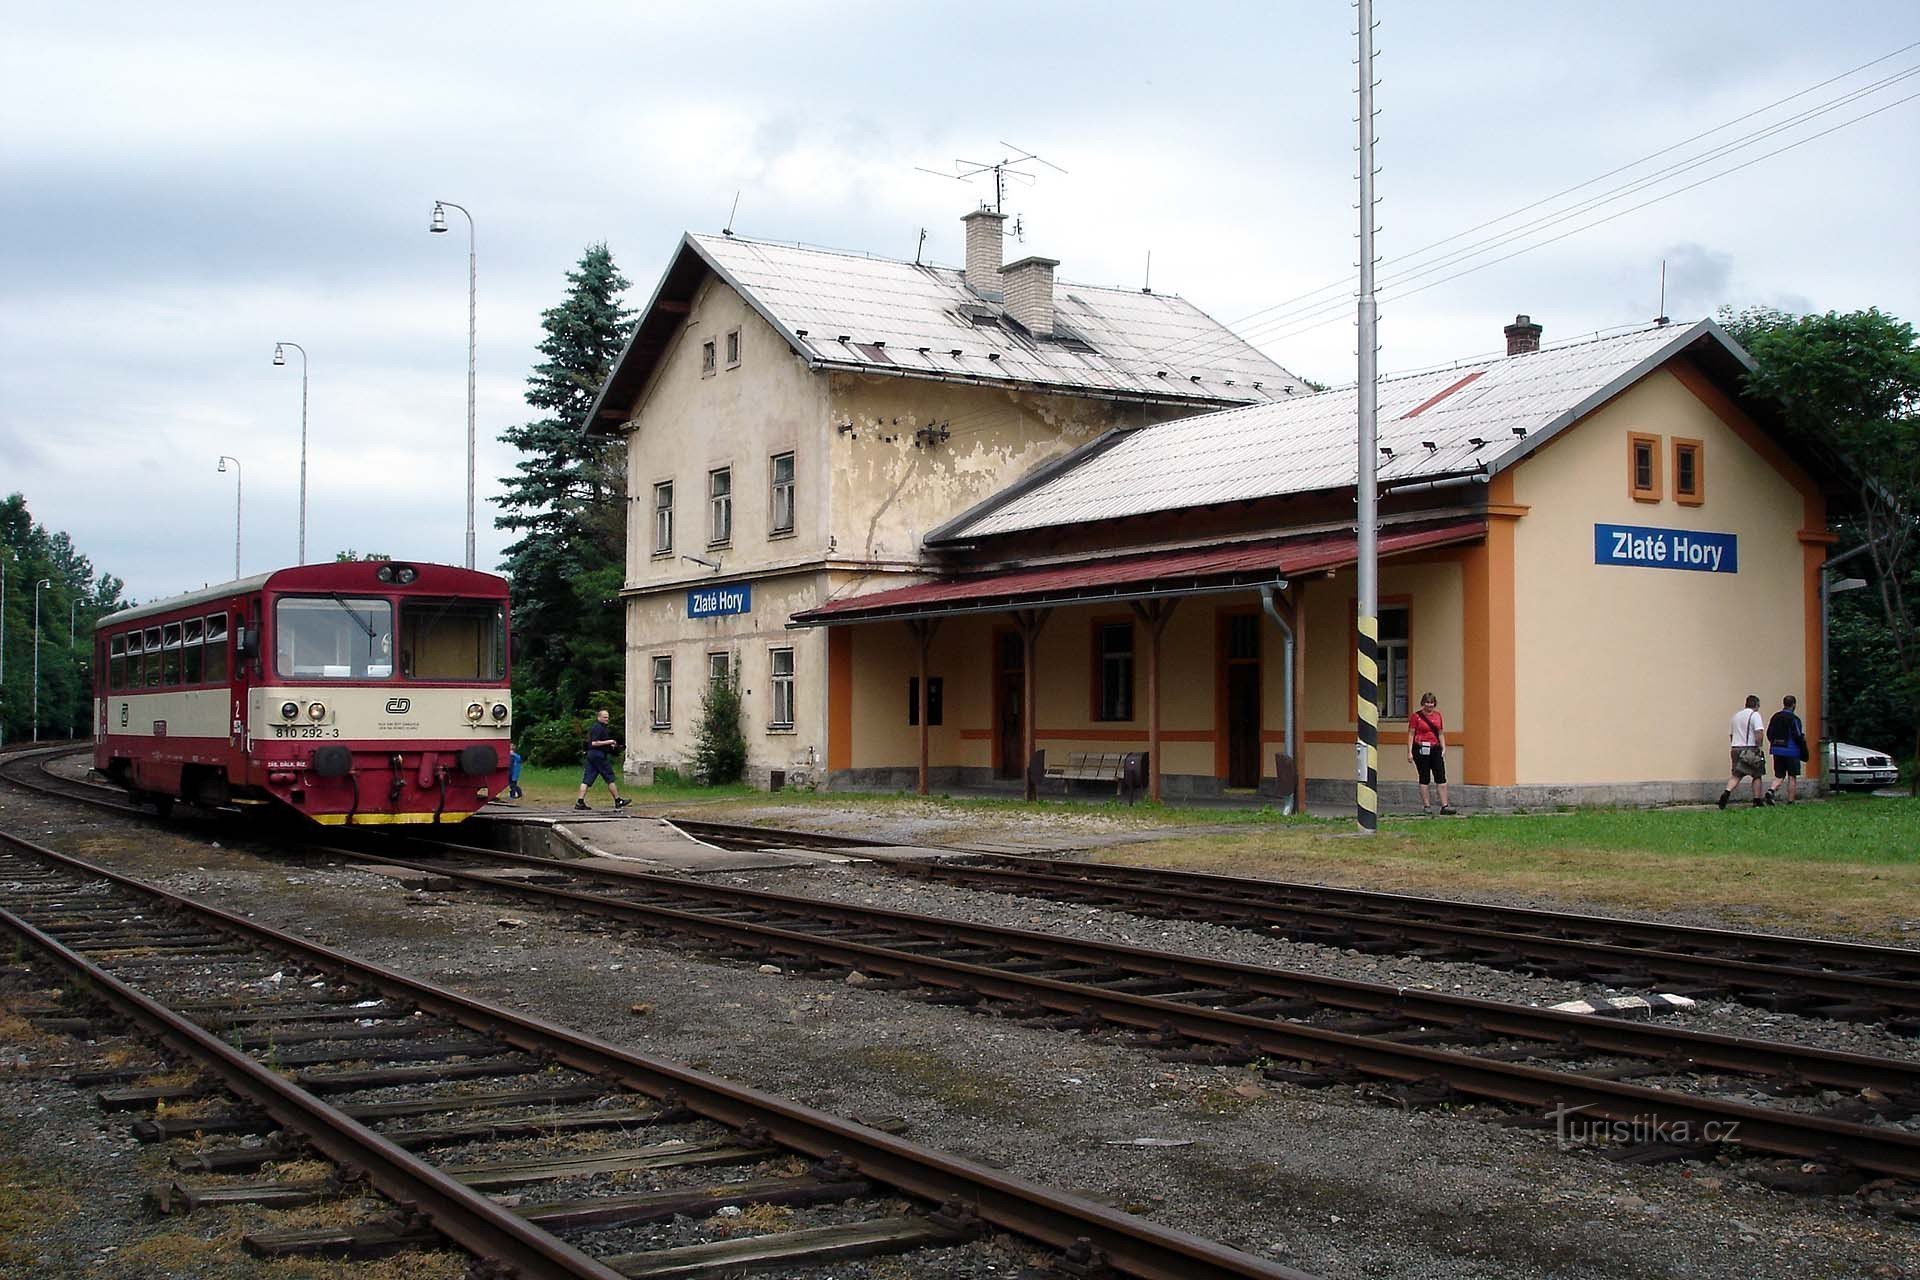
[1135,576]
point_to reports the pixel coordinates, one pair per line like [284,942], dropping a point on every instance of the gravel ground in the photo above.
[871,886]
[1316,1179]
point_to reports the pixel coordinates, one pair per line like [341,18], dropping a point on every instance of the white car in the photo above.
[1851,766]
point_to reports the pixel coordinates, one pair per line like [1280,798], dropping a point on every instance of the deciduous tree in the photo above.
[1849,383]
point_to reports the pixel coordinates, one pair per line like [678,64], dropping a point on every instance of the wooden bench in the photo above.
[1090,766]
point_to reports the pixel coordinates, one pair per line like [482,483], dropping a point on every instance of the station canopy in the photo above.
[1143,576]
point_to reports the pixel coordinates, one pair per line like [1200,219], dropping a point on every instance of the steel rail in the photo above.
[1884,1151]
[1826,1068]
[1053,1218]
[466,1217]
[1479,945]
[1848,970]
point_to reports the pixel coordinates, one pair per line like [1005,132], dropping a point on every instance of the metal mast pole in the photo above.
[44,582]
[473,285]
[1367,710]
[3,644]
[279,359]
[224,460]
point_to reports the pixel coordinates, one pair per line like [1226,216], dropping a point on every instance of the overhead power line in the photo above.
[1292,315]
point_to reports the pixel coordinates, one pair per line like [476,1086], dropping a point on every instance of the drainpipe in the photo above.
[1286,677]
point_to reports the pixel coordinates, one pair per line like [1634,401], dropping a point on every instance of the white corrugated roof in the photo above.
[895,317]
[1308,443]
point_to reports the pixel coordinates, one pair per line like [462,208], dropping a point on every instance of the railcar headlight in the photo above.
[475,712]
[500,711]
[316,711]
[289,711]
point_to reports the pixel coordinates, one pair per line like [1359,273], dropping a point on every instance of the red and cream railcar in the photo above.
[354,692]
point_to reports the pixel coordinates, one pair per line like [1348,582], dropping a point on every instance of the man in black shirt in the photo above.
[1787,744]
[600,741]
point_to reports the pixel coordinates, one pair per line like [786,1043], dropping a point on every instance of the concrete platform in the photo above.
[622,838]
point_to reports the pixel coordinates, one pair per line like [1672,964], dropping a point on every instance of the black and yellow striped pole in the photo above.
[1367,611]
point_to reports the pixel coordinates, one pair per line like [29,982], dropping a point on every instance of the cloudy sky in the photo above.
[183,185]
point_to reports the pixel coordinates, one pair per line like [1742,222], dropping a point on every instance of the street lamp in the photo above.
[438,226]
[3,643]
[44,582]
[280,357]
[73,646]
[224,460]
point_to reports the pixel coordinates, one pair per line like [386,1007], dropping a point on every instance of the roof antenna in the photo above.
[1008,166]
[1147,287]
[921,247]
[1662,317]
[728,229]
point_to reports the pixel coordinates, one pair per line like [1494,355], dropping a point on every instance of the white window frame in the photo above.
[662,518]
[1395,658]
[719,666]
[780,686]
[660,712]
[782,492]
[709,358]
[733,349]
[719,506]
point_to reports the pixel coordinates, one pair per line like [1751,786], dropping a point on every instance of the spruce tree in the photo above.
[567,501]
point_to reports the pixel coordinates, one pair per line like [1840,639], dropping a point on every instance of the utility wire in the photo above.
[1298,313]
[1621,213]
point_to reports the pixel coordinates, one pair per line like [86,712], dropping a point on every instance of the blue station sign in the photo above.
[718,602]
[1645,548]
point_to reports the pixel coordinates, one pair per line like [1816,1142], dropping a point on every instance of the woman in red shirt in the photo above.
[1427,749]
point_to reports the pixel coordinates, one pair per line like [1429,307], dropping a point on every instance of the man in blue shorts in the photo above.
[600,741]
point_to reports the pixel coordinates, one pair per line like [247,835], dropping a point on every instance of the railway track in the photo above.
[1809,977]
[1676,1094]
[435,1100]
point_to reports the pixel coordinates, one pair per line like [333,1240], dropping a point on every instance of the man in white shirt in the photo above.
[1747,747]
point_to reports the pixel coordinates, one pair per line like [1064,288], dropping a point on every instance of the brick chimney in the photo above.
[983,250]
[1028,285]
[1523,335]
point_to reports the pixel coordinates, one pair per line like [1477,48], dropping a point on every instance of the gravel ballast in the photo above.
[1318,1179]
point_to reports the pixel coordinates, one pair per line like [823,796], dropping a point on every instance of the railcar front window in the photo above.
[333,638]
[453,640]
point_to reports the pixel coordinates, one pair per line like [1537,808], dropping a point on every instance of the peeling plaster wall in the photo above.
[685,424]
[889,491]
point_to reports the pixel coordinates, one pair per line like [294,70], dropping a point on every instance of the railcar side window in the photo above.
[192,631]
[152,647]
[170,653]
[213,667]
[453,640]
[333,638]
[117,662]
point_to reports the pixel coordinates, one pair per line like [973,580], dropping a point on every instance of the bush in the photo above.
[720,746]
[552,742]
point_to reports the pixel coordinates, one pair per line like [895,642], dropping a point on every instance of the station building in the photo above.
[1589,553]
[939,526]
[798,420]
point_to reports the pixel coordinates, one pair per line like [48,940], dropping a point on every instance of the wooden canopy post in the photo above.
[922,630]
[1153,616]
[1029,622]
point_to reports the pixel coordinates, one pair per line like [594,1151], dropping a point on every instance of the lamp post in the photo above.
[224,460]
[73,647]
[280,357]
[439,226]
[3,643]
[44,582]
